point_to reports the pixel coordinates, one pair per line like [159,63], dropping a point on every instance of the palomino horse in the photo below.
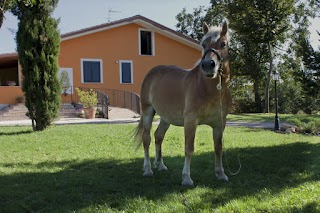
[188,99]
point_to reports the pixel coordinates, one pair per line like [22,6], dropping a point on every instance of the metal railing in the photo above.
[114,98]
[102,104]
[123,99]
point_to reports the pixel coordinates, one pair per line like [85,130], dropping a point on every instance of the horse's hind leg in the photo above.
[148,114]
[159,135]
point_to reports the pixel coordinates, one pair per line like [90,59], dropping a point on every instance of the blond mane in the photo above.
[214,33]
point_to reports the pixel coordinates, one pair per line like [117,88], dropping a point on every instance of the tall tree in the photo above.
[259,27]
[6,5]
[38,44]
[263,23]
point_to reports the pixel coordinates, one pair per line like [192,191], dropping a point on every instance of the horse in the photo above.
[188,98]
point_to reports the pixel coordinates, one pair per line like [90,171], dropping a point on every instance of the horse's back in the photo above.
[163,89]
[162,78]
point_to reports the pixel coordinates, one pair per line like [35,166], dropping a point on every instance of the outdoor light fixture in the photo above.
[276,77]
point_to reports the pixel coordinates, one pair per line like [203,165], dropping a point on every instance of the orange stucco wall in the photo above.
[122,43]
[9,94]
[111,46]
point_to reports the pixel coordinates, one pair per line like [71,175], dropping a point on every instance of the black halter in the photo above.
[215,52]
[220,71]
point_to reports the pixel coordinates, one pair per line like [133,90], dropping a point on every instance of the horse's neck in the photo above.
[207,86]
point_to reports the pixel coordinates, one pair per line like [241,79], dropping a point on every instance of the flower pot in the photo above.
[89,113]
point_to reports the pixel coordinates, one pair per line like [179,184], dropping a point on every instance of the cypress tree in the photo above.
[38,44]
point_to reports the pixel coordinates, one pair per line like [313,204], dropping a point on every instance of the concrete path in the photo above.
[65,121]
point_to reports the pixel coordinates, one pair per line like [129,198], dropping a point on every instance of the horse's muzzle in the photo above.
[208,67]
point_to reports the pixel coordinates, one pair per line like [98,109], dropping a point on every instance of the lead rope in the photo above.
[219,87]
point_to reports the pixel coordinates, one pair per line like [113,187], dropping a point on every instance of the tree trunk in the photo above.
[257,96]
[266,99]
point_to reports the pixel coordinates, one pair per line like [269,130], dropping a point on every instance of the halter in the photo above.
[221,60]
[215,52]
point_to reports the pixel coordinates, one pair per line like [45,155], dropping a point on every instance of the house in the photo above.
[115,55]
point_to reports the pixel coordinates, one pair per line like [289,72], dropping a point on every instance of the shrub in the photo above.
[89,98]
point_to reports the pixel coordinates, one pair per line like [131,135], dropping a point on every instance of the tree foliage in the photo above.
[7,5]
[263,32]
[38,44]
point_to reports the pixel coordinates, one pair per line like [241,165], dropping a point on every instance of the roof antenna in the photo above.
[109,13]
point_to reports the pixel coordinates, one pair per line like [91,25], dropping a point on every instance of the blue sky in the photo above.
[79,14]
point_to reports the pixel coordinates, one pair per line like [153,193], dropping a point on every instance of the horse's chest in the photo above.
[211,114]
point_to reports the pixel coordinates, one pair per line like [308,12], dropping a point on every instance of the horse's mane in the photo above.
[214,33]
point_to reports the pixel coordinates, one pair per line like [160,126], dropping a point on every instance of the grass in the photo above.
[94,168]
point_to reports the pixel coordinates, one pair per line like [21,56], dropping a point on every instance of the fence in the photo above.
[124,99]
[115,98]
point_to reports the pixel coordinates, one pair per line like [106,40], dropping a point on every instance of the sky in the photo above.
[79,14]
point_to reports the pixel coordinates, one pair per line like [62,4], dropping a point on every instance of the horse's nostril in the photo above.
[212,64]
[202,65]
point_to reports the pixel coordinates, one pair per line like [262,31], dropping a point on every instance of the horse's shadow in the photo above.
[114,183]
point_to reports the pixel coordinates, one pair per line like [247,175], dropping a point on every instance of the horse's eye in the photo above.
[223,44]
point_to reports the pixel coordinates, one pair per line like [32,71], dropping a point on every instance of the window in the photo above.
[146,42]
[126,72]
[91,70]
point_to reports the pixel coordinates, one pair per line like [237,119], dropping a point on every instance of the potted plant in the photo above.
[89,99]
[20,99]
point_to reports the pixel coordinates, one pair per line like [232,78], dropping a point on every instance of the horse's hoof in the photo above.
[223,178]
[187,181]
[162,168]
[148,174]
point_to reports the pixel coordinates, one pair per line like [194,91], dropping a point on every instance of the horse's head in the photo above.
[215,45]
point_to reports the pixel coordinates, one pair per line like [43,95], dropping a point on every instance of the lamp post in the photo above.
[276,78]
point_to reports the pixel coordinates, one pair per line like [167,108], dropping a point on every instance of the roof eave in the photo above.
[140,20]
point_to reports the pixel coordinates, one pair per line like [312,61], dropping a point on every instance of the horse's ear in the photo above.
[224,28]
[205,27]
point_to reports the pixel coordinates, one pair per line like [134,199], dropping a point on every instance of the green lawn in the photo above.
[94,168]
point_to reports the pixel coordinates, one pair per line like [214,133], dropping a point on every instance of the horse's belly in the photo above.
[170,113]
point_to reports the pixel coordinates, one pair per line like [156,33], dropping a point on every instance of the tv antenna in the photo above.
[109,14]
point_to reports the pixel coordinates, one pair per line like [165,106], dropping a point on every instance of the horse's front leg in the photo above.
[189,134]
[217,138]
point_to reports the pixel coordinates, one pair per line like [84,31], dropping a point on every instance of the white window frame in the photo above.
[152,41]
[120,70]
[101,70]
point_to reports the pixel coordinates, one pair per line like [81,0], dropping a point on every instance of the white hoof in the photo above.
[160,165]
[148,174]
[222,177]
[187,181]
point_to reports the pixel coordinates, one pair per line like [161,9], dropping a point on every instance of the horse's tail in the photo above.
[138,133]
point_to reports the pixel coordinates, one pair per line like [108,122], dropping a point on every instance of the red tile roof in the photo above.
[5,57]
